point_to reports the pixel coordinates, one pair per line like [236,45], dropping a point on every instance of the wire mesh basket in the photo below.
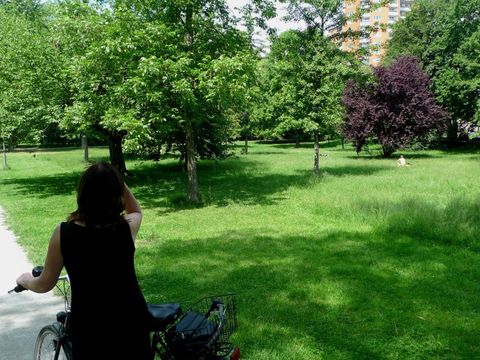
[205,327]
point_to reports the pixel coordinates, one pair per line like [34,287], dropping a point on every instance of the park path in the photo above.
[21,315]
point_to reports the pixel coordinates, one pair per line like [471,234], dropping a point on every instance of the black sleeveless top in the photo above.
[109,314]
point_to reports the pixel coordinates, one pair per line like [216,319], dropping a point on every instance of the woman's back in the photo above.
[109,313]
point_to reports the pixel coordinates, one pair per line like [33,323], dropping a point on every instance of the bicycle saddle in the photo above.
[163,315]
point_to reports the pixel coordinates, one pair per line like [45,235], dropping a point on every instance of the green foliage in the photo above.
[303,79]
[100,66]
[29,82]
[415,33]
[206,85]
[458,86]
[124,68]
[328,18]
[132,77]
[444,35]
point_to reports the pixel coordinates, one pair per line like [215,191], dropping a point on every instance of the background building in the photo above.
[382,19]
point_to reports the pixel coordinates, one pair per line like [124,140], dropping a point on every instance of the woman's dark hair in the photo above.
[99,196]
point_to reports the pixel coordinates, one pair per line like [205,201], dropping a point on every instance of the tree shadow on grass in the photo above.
[45,186]
[309,145]
[412,154]
[36,149]
[221,183]
[346,295]
[341,171]
[164,186]
[472,147]
[395,156]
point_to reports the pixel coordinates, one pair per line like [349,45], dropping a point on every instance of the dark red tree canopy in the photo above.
[396,109]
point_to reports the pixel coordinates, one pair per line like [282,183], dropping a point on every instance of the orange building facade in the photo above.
[381,18]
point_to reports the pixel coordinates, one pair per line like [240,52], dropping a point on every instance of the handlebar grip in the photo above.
[37,271]
[17,289]
[215,306]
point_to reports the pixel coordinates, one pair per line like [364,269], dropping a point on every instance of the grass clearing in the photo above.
[370,261]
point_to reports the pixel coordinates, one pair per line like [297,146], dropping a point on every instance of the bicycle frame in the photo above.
[218,314]
[63,343]
[61,326]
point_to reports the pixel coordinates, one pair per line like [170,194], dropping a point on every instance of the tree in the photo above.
[149,75]
[284,111]
[198,82]
[29,95]
[327,17]
[434,31]
[143,74]
[314,70]
[306,78]
[458,86]
[113,44]
[413,34]
[396,109]
[251,19]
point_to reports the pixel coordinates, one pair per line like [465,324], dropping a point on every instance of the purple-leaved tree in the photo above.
[396,109]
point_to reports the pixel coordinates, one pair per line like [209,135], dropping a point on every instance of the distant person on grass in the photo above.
[401,161]
[96,245]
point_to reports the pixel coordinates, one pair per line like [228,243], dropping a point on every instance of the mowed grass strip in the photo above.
[370,261]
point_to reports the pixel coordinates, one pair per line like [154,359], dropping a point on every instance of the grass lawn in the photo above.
[370,261]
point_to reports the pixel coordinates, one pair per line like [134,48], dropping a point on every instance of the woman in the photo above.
[96,245]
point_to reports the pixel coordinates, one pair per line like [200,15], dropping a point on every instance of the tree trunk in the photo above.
[316,156]
[85,147]
[5,165]
[452,132]
[193,193]
[246,121]
[343,143]
[297,140]
[116,152]
[388,150]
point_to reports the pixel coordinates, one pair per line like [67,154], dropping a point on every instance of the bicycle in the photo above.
[202,332]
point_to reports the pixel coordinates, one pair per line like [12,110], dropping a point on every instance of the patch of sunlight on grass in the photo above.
[328,293]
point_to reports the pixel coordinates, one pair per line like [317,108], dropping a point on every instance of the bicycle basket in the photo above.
[205,327]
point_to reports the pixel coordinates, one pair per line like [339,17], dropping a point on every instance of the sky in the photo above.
[277,23]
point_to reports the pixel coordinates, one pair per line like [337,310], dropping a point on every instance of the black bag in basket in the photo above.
[191,335]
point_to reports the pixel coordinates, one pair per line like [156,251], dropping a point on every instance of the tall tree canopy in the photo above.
[435,31]
[148,75]
[195,79]
[112,45]
[29,81]
[396,109]
[303,80]
[328,18]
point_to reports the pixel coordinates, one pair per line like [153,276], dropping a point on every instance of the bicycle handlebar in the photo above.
[17,289]
[36,272]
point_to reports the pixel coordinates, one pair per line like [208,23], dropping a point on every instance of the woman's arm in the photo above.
[51,270]
[133,212]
